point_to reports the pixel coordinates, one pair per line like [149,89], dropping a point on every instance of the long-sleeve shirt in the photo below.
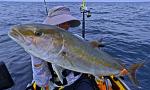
[42,75]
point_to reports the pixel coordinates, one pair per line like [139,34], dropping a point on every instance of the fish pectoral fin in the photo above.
[58,71]
[62,52]
[132,73]
[65,54]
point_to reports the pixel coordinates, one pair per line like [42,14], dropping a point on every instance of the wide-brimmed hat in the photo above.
[60,14]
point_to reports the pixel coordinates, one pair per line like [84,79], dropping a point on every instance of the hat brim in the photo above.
[55,20]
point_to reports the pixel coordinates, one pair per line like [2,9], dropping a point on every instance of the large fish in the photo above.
[62,48]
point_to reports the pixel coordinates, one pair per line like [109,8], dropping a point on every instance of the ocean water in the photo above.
[123,27]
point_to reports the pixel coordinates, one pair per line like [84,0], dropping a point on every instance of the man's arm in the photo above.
[41,74]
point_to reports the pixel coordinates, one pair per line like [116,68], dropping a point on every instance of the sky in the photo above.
[80,0]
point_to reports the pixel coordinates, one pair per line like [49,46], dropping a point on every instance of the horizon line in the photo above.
[72,1]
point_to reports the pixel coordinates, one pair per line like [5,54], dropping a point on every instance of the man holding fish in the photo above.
[65,52]
[61,17]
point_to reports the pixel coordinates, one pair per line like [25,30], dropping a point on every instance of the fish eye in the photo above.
[38,33]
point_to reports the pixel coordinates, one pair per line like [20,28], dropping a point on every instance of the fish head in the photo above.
[37,39]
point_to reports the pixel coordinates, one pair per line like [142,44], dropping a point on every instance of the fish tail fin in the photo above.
[132,73]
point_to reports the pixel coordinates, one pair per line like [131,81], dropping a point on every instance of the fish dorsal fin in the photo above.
[96,44]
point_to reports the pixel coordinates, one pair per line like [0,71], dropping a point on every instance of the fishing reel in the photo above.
[85,10]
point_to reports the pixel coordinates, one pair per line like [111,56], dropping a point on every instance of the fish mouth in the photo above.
[16,35]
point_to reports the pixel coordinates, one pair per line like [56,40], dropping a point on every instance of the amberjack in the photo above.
[64,49]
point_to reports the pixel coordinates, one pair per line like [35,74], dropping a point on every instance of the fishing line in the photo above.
[45,5]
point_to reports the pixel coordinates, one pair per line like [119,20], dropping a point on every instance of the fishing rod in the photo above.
[45,7]
[84,11]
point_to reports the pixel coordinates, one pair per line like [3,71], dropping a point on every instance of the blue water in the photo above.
[124,27]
